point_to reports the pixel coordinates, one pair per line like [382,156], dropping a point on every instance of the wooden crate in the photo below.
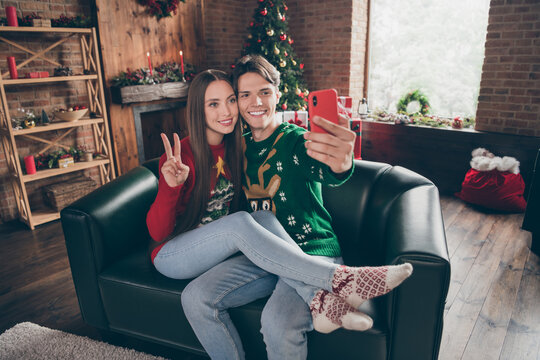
[60,195]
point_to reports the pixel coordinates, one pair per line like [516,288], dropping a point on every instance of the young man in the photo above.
[284,168]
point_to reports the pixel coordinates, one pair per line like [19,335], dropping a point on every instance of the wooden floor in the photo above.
[492,311]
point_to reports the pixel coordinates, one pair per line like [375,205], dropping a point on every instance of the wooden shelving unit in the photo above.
[96,101]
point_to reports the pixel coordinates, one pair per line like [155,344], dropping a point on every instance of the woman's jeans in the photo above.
[190,254]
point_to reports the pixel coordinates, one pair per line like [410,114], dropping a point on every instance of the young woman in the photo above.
[196,224]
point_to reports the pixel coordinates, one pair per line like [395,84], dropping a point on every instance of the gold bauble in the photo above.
[293,62]
[250,36]
[270,32]
[285,90]
[276,51]
[282,63]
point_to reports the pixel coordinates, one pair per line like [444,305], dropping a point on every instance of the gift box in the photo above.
[65,162]
[345,106]
[37,74]
[299,118]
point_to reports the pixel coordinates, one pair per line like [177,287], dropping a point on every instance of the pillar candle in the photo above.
[149,62]
[30,164]
[182,63]
[11,15]
[12,67]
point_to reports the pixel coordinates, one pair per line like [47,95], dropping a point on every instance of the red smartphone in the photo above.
[323,103]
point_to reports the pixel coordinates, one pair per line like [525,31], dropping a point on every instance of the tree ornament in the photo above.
[415,95]
[251,24]
[276,50]
[283,18]
[297,91]
[285,53]
[283,37]
[301,66]
[285,90]
[306,92]
[284,106]
[259,41]
[250,36]
[293,62]
[285,7]
[261,1]
[290,41]
[282,63]
[264,12]
[270,32]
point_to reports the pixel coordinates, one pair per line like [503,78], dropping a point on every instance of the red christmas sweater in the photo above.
[171,202]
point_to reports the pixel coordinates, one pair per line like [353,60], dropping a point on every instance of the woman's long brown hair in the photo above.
[203,159]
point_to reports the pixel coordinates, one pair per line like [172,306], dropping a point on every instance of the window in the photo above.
[436,46]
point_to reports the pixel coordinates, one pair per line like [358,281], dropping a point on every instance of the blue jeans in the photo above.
[190,254]
[235,282]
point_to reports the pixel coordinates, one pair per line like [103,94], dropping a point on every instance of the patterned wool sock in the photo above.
[358,284]
[330,312]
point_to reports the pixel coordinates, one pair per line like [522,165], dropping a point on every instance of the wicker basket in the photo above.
[60,195]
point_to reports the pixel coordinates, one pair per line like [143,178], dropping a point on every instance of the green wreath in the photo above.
[415,95]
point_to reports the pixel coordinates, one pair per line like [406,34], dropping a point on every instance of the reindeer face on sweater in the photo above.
[260,196]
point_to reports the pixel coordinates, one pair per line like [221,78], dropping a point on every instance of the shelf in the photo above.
[21,29]
[44,216]
[48,79]
[58,126]
[43,174]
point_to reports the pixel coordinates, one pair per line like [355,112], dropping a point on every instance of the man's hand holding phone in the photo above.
[330,140]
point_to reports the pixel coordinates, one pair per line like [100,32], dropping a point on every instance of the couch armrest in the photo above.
[105,225]
[415,233]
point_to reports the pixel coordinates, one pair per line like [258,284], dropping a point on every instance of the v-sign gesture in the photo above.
[173,170]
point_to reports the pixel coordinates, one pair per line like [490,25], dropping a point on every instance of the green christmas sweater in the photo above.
[281,177]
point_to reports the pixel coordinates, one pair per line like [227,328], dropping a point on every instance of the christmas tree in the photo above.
[269,37]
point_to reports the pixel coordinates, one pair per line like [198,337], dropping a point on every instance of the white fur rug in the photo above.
[30,341]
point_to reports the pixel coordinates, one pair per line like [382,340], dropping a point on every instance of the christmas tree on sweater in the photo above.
[269,37]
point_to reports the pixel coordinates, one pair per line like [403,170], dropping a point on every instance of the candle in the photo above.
[30,164]
[11,14]
[182,63]
[12,67]
[149,62]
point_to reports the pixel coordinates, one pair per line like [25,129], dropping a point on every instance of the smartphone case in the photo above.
[324,104]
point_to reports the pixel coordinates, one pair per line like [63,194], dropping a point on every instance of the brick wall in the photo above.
[509,100]
[42,97]
[226,24]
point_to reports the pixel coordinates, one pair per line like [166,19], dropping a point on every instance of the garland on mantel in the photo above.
[161,8]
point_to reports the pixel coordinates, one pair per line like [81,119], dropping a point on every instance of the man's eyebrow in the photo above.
[263,89]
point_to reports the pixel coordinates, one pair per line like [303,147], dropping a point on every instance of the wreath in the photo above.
[161,8]
[415,95]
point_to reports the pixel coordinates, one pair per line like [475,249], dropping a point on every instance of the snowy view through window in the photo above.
[436,46]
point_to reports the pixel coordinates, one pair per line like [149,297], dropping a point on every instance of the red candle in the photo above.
[149,62]
[30,164]
[12,67]
[182,63]
[11,14]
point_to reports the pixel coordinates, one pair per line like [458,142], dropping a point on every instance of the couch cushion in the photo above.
[140,301]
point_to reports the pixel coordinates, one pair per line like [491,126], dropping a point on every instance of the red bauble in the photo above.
[283,37]
[284,106]
[251,24]
[285,7]
[283,18]
[233,66]
[261,0]
[285,53]
[264,12]
[259,41]
[301,66]
[291,41]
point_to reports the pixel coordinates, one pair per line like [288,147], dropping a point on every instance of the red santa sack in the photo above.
[499,190]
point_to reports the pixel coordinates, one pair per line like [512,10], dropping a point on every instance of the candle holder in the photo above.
[12,67]
[11,15]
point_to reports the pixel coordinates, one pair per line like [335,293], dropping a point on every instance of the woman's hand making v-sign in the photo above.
[173,170]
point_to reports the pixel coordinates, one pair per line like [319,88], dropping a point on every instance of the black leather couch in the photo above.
[382,215]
